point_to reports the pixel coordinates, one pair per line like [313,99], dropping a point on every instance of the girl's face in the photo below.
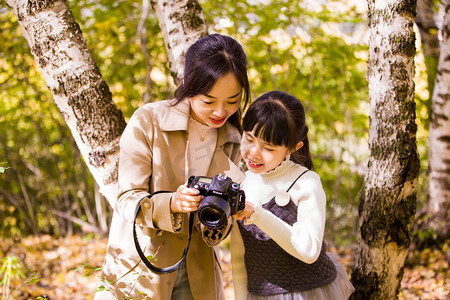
[259,155]
[224,99]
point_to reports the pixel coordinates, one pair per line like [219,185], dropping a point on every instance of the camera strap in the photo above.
[149,265]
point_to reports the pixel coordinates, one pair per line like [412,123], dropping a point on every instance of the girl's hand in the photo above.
[246,212]
[185,199]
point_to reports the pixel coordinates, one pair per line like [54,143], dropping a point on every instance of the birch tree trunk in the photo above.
[439,147]
[388,197]
[82,96]
[78,89]
[182,23]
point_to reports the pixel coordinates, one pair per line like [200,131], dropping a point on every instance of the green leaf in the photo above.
[34,279]
[100,288]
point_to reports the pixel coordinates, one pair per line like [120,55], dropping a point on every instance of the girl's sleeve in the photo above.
[135,170]
[303,239]
[238,265]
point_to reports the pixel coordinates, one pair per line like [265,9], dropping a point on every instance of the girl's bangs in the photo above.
[268,125]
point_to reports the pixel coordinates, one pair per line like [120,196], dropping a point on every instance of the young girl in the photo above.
[198,132]
[280,233]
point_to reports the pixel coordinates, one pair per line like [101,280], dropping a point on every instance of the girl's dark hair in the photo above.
[279,118]
[206,61]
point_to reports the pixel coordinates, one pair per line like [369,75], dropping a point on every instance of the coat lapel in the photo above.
[176,118]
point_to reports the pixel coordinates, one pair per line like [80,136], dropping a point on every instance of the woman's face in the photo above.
[259,155]
[221,102]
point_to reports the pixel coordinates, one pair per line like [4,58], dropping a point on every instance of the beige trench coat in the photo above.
[152,156]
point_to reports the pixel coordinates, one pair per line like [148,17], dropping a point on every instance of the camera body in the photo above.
[221,198]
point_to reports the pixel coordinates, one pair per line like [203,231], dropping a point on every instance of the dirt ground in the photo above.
[67,269]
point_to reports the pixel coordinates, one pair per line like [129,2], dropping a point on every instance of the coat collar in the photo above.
[176,118]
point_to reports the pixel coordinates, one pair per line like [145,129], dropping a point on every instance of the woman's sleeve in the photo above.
[303,239]
[238,265]
[135,170]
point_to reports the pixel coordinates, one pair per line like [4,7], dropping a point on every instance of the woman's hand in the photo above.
[185,199]
[246,212]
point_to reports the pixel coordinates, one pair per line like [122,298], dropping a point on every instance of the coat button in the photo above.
[147,205]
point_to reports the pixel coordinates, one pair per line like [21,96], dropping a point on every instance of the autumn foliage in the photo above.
[68,268]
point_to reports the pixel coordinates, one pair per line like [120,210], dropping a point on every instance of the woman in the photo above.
[196,133]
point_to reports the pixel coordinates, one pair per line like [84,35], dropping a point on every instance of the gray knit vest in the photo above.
[271,270]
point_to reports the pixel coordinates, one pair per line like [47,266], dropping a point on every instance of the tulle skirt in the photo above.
[340,289]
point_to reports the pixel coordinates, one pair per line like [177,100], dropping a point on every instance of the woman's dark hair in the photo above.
[279,118]
[206,61]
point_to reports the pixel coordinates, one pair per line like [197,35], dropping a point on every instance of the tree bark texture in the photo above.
[439,138]
[388,197]
[82,96]
[182,23]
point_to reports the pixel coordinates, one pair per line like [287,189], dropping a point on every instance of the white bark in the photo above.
[182,23]
[387,201]
[78,89]
[439,137]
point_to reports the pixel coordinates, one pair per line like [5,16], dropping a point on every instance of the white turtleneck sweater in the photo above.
[303,239]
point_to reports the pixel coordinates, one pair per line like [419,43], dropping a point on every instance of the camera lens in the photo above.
[213,212]
[211,217]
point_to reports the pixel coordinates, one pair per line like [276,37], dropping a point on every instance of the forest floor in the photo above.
[67,269]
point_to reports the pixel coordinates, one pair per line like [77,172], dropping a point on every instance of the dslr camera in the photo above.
[221,198]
